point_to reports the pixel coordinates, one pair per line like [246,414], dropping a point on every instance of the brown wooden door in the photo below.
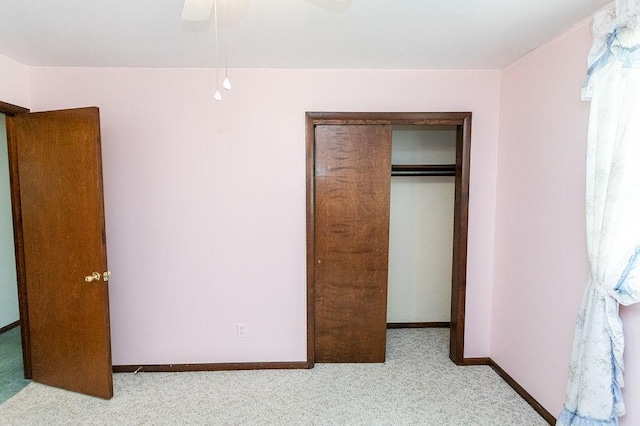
[61,205]
[352,190]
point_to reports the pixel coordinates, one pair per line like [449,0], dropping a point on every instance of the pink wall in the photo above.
[540,248]
[14,84]
[205,201]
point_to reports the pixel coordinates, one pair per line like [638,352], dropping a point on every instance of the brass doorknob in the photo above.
[93,277]
[106,276]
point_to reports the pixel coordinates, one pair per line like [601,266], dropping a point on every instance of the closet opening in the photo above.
[352,181]
[421,226]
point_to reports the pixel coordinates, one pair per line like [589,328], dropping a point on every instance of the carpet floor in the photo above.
[11,369]
[417,385]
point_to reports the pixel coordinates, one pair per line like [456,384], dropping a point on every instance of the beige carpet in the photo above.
[418,385]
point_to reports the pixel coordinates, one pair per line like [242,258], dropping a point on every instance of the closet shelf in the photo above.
[423,170]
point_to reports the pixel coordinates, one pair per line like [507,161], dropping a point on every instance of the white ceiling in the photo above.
[403,34]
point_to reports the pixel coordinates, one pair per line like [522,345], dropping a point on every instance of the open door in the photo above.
[59,209]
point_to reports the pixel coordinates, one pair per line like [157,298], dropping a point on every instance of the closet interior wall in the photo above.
[421,225]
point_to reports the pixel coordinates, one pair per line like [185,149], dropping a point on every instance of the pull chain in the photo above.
[217,96]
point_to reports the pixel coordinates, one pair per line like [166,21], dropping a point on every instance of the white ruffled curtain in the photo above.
[613,219]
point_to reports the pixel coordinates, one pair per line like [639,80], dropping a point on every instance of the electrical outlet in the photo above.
[242,330]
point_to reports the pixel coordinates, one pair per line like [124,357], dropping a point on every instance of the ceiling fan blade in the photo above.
[196,10]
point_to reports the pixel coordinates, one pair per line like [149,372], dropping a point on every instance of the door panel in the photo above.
[61,202]
[352,187]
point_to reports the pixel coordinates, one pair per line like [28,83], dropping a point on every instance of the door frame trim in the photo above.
[14,182]
[462,121]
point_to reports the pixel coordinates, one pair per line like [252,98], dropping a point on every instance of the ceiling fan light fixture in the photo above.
[196,10]
[200,10]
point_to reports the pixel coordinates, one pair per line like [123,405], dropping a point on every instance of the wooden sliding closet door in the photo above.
[352,189]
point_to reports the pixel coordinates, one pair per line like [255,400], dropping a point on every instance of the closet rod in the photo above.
[423,170]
